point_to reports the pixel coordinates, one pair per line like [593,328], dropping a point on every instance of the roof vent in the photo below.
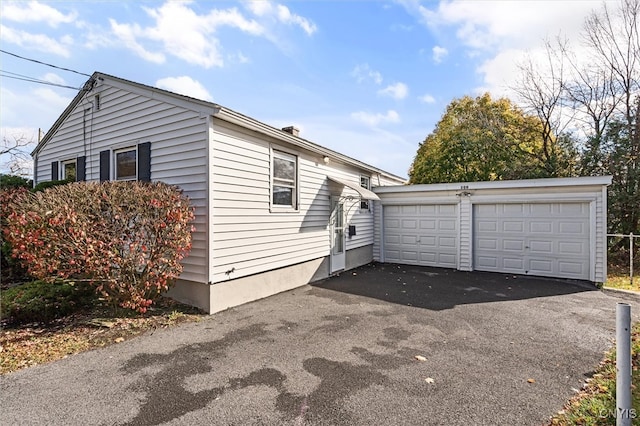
[292,129]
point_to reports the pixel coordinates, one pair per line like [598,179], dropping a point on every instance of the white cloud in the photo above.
[128,34]
[53,78]
[362,72]
[396,91]
[34,11]
[39,42]
[374,120]
[427,99]
[439,53]
[181,32]
[285,16]
[500,32]
[265,8]
[185,85]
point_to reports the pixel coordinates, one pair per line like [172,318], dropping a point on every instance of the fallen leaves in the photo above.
[420,358]
[33,344]
[531,380]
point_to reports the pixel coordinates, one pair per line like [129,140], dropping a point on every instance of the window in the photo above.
[284,180]
[126,164]
[69,170]
[365,182]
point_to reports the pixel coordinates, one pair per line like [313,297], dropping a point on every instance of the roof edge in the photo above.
[221,112]
[499,184]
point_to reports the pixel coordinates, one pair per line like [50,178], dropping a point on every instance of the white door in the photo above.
[546,239]
[421,235]
[336,229]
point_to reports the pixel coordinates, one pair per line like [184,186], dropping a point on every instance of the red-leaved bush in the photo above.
[126,238]
[11,270]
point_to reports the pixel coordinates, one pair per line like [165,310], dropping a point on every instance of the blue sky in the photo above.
[369,79]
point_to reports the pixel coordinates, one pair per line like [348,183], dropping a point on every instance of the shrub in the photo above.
[125,238]
[11,269]
[12,181]
[40,301]
[50,184]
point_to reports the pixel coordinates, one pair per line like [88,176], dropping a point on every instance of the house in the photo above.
[274,211]
[545,227]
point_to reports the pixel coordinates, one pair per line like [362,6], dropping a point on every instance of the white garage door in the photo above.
[550,239]
[421,235]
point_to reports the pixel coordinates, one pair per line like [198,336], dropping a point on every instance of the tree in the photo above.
[600,92]
[481,139]
[13,154]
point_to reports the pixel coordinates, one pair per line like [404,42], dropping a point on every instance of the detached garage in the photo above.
[544,227]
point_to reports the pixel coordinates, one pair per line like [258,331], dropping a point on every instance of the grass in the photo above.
[595,404]
[618,274]
[71,322]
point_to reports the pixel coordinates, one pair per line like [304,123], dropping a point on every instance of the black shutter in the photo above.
[81,169]
[144,162]
[54,171]
[105,170]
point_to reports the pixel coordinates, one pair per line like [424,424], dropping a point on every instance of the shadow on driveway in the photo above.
[439,288]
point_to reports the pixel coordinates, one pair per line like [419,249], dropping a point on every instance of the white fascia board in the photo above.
[498,184]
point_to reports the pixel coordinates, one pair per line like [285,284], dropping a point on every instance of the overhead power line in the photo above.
[44,63]
[7,74]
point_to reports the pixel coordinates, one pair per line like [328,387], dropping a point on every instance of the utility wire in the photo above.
[43,63]
[33,80]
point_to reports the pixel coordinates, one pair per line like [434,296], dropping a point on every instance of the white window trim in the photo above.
[366,202]
[61,173]
[278,208]
[114,162]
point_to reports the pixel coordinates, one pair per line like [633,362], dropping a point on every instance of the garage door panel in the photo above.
[540,247]
[571,268]
[392,223]
[390,239]
[512,245]
[409,224]
[577,228]
[428,241]
[550,239]
[447,259]
[447,224]
[486,263]
[409,239]
[540,266]
[572,248]
[426,235]
[539,227]
[406,210]
[428,224]
[409,255]
[512,226]
[447,242]
[446,209]
[487,226]
[487,243]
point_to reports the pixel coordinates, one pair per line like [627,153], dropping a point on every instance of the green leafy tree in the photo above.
[480,139]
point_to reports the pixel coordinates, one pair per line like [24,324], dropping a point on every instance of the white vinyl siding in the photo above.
[126,118]
[249,236]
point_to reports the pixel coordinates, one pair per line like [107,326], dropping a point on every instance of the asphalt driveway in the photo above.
[342,352]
